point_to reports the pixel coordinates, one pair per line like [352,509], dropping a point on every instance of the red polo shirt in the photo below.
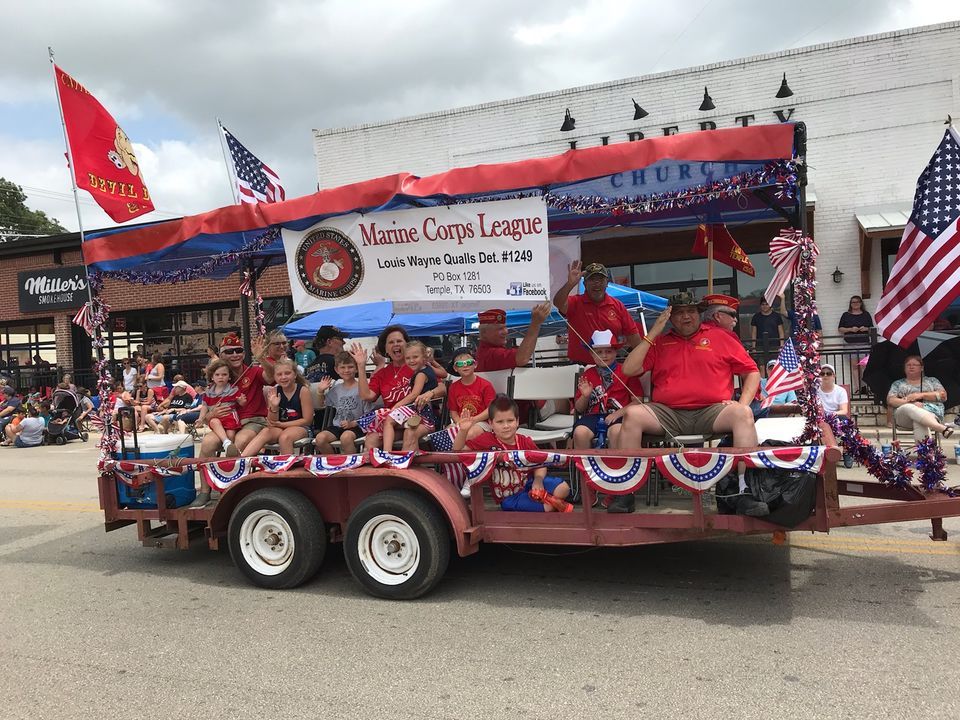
[250,383]
[492,357]
[694,372]
[585,316]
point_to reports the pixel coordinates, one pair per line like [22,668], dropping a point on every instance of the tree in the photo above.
[17,220]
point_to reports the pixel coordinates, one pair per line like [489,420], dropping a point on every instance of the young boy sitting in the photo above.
[469,397]
[530,491]
[604,391]
[344,397]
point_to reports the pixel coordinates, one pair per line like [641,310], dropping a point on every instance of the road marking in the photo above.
[50,506]
[907,547]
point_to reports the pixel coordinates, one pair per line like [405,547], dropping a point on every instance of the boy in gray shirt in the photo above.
[344,397]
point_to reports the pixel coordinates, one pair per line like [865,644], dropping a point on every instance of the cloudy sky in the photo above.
[166,69]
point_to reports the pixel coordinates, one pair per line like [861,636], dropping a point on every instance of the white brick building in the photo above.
[874,109]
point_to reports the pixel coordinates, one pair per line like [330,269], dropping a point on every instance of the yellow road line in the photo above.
[50,506]
[851,545]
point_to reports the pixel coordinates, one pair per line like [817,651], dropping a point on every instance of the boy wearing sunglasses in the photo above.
[469,397]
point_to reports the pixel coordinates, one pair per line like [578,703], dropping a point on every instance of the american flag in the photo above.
[442,441]
[255,181]
[784,375]
[926,276]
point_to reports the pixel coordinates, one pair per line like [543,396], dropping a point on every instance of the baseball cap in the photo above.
[181,384]
[594,269]
[326,333]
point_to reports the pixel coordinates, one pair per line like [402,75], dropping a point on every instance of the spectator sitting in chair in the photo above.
[833,397]
[591,311]
[918,401]
[692,368]
[604,391]
[86,407]
[784,403]
[469,398]
[175,404]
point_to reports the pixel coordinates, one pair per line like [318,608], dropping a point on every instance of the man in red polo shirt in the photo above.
[692,368]
[492,351]
[592,311]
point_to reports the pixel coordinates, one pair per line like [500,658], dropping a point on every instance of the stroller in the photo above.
[64,411]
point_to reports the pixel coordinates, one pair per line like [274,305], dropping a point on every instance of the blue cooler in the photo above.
[179,489]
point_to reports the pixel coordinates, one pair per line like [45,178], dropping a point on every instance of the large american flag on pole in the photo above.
[785,375]
[255,181]
[926,275]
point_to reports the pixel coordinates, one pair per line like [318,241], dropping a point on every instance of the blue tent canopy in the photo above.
[369,319]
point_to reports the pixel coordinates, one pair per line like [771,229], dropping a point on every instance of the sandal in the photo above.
[947,432]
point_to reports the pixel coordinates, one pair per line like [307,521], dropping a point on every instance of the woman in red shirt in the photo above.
[391,382]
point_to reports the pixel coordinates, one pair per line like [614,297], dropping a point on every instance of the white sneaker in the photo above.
[465,491]
[230,450]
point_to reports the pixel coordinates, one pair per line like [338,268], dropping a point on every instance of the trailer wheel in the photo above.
[396,545]
[277,538]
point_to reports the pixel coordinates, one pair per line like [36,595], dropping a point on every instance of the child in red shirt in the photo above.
[604,391]
[220,392]
[469,397]
[514,489]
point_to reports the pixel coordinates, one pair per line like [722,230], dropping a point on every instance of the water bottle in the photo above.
[600,440]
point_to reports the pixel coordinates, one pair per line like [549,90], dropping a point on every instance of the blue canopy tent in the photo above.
[370,318]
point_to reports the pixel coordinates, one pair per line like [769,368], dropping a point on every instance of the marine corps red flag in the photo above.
[104,163]
[725,248]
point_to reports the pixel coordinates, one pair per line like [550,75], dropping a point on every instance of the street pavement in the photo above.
[861,623]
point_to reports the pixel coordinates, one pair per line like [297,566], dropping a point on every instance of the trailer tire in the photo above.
[396,545]
[277,538]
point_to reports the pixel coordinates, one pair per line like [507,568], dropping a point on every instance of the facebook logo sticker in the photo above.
[515,289]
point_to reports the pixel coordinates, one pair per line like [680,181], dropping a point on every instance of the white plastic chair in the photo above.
[535,384]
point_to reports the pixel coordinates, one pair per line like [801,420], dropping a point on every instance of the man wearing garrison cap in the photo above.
[493,353]
[721,310]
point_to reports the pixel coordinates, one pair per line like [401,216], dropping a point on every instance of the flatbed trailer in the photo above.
[397,526]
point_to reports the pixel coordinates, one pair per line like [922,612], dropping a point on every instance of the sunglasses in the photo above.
[464,363]
[232,351]
[280,342]
[728,313]
[825,372]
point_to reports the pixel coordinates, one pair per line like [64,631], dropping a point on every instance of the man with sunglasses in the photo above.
[722,310]
[250,380]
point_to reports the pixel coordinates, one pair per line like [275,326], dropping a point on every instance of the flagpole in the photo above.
[709,260]
[226,164]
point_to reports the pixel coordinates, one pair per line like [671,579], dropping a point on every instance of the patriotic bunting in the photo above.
[530,459]
[695,471]
[325,465]
[803,459]
[277,463]
[84,319]
[221,475]
[382,458]
[615,476]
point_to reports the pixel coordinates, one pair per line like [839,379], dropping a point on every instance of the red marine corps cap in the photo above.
[230,340]
[717,299]
[492,317]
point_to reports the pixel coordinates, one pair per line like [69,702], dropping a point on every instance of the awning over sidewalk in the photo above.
[884,220]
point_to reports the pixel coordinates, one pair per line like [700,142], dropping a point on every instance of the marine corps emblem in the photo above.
[328,264]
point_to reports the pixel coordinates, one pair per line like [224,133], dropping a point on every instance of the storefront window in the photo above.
[20,342]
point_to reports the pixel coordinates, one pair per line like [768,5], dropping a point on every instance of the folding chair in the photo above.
[535,384]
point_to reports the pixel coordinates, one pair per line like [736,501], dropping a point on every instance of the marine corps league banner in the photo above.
[446,258]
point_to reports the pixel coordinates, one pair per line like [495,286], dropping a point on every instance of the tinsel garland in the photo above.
[931,465]
[780,174]
[185,274]
[259,315]
[806,339]
[891,469]
[98,316]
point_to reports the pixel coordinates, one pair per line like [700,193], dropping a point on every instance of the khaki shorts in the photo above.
[686,422]
[255,423]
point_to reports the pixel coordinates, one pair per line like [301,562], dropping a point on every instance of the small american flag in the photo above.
[926,276]
[442,441]
[784,375]
[255,181]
